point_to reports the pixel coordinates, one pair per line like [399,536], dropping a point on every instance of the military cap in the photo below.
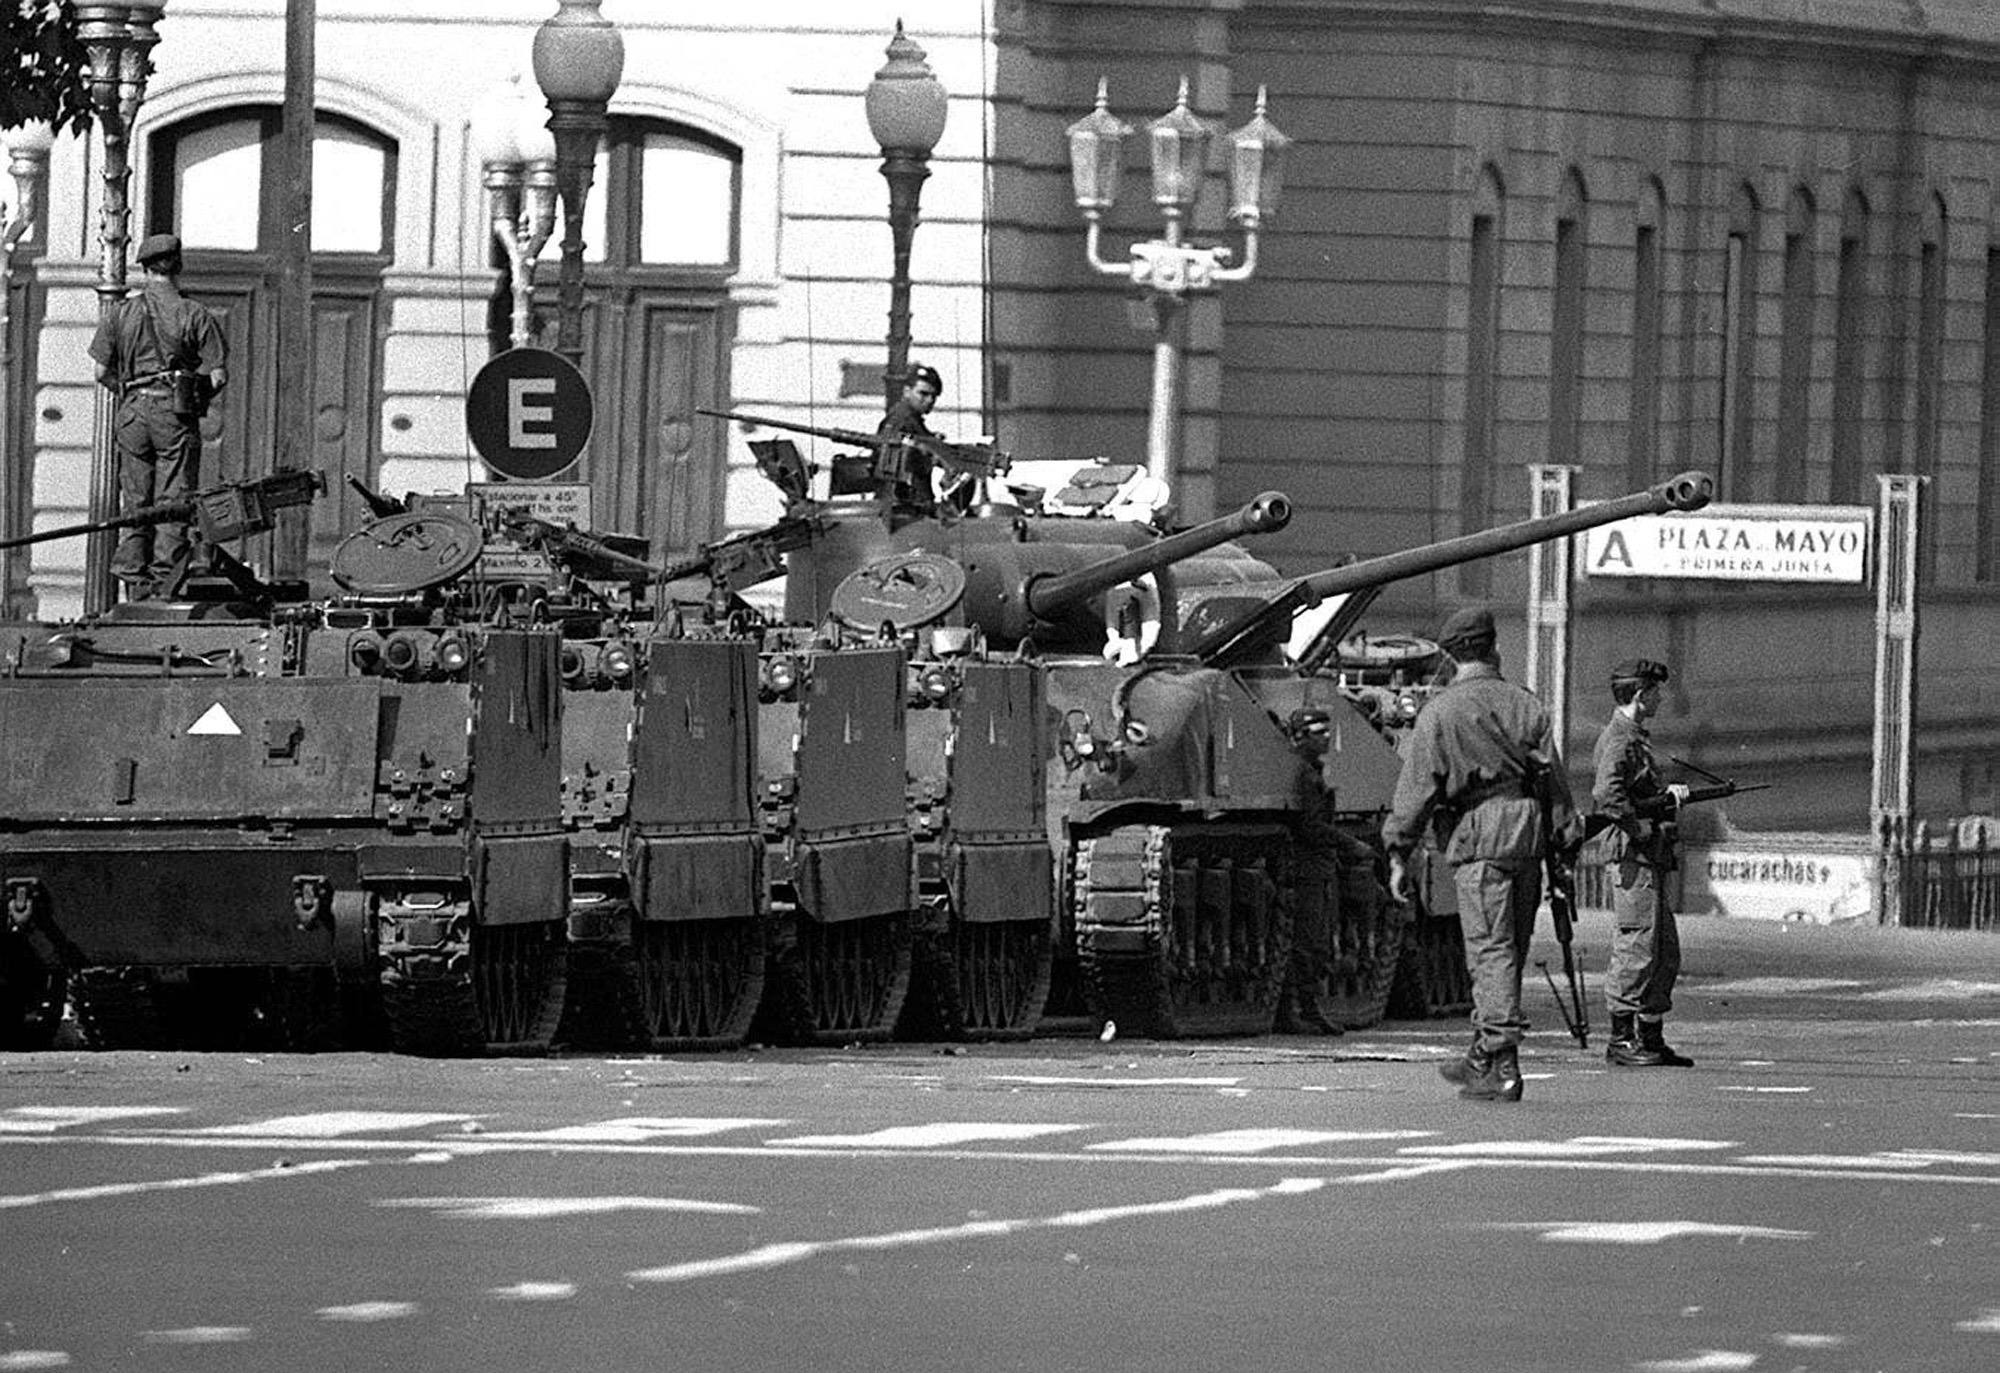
[155,247]
[1466,627]
[1639,670]
[920,372]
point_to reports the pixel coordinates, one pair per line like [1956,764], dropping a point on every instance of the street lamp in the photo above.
[906,112]
[579,57]
[1167,269]
[518,155]
[28,161]
[116,38]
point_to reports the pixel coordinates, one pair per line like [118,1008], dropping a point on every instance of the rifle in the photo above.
[1720,788]
[959,459]
[1562,912]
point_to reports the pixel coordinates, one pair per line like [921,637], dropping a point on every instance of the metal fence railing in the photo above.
[1948,877]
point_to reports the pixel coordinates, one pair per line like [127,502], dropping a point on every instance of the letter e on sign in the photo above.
[529,414]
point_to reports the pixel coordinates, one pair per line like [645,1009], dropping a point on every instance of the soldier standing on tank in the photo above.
[1473,762]
[166,357]
[1640,850]
[921,388]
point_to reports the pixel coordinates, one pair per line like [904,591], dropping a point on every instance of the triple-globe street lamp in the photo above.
[517,155]
[28,162]
[1168,269]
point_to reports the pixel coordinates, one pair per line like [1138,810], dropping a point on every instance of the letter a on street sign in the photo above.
[529,414]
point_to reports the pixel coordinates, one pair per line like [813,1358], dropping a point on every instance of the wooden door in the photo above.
[657,469]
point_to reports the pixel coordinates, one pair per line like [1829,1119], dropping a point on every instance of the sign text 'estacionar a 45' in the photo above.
[1755,543]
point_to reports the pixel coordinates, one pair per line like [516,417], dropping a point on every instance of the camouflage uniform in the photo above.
[1468,760]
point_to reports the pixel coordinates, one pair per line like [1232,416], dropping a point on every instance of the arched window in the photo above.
[1485,247]
[1852,309]
[666,197]
[1795,348]
[209,175]
[1568,323]
[1642,435]
[1737,415]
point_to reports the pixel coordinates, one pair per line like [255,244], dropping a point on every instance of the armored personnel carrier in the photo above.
[237,815]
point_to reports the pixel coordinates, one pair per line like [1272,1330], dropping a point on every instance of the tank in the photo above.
[1222,850]
[979,596]
[242,817]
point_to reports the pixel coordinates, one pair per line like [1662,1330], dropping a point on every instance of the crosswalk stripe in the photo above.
[939,1135]
[333,1124]
[1251,1141]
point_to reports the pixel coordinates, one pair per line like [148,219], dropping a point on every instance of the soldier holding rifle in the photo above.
[1472,762]
[1642,850]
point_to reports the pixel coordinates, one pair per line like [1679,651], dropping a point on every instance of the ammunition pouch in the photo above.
[192,392]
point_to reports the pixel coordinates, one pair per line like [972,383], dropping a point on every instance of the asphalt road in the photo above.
[1820,1192]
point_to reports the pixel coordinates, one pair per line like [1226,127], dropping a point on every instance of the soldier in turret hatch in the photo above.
[921,388]
[165,357]
[1641,851]
[1482,759]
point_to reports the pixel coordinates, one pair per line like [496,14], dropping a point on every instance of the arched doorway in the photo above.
[661,243]
[213,181]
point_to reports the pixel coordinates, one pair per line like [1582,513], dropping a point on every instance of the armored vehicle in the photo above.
[239,816]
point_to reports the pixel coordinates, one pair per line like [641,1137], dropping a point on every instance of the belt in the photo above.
[1477,796]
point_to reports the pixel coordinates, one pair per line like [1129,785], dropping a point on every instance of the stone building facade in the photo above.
[1754,237]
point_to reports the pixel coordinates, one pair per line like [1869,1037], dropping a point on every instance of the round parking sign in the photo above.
[529,414]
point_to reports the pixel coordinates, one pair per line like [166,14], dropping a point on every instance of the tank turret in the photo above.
[1049,589]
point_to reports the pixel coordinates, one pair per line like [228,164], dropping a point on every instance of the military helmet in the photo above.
[924,373]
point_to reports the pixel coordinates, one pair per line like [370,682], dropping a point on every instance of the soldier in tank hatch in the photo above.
[921,388]
[1472,764]
[1642,849]
[165,357]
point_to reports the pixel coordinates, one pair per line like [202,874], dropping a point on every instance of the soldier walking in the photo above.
[1482,761]
[1641,852]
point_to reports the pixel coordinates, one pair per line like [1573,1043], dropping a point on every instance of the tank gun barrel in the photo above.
[1687,491]
[1053,593]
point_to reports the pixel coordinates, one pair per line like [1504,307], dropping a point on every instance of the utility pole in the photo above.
[294,374]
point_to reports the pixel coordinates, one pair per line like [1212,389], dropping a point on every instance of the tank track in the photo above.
[31,1004]
[1368,933]
[839,983]
[984,981]
[1184,929]
[116,1008]
[450,987]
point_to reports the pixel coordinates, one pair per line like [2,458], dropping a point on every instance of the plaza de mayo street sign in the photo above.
[562,504]
[1738,543]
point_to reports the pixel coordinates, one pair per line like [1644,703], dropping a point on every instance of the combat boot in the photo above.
[1625,1049]
[1475,1074]
[1507,1072]
[1653,1039]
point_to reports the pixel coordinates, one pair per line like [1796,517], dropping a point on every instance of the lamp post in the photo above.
[28,161]
[117,38]
[1168,269]
[518,155]
[906,113]
[579,57]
